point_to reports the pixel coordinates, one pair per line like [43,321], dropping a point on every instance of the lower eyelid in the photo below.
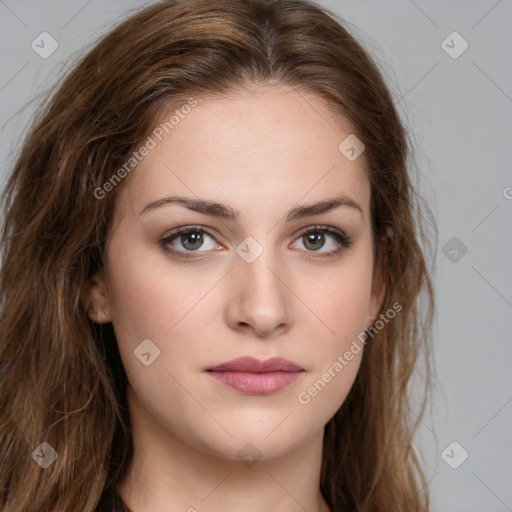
[343,242]
[175,236]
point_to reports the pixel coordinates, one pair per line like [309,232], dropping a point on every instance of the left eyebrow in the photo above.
[322,207]
[226,212]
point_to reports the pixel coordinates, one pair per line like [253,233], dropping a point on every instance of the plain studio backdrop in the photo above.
[448,66]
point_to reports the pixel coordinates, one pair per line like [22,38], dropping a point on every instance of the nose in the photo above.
[259,297]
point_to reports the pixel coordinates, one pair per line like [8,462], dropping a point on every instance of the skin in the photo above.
[262,152]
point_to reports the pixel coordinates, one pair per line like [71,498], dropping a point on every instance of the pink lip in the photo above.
[255,377]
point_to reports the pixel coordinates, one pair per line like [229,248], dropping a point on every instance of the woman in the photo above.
[212,274]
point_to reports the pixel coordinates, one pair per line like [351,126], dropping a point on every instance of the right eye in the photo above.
[188,240]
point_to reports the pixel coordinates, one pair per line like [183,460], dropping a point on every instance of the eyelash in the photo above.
[341,238]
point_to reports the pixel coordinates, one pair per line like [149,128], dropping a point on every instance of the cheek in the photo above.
[338,354]
[153,300]
[148,296]
[341,299]
[156,303]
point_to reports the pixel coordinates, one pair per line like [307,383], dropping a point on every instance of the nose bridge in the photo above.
[262,273]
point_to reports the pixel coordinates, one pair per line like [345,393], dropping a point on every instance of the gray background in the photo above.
[459,111]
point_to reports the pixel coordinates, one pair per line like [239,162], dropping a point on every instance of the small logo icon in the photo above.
[351,147]
[44,45]
[507,192]
[45,455]
[454,249]
[454,455]
[249,455]
[249,249]
[147,352]
[454,45]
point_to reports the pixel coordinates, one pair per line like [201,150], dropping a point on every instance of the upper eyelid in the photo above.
[302,232]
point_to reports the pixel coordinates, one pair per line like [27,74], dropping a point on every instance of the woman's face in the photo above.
[244,282]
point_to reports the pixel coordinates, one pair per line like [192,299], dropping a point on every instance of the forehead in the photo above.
[268,146]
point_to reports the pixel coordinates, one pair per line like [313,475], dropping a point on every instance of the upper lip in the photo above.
[251,364]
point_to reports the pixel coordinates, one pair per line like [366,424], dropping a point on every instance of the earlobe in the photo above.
[95,300]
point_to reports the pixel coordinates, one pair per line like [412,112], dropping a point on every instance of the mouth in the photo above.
[254,377]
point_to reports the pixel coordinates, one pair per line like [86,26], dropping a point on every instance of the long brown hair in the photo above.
[61,379]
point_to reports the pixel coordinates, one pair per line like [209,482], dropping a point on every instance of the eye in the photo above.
[314,239]
[183,242]
[189,239]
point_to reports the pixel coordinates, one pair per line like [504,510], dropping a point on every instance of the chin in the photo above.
[270,437]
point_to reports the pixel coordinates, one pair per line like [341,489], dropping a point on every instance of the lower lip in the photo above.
[263,383]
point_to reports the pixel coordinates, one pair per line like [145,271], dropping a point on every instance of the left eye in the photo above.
[192,239]
[314,239]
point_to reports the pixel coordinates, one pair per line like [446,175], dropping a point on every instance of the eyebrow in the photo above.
[226,212]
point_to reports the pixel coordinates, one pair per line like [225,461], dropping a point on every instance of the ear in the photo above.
[378,281]
[95,300]
[377,298]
